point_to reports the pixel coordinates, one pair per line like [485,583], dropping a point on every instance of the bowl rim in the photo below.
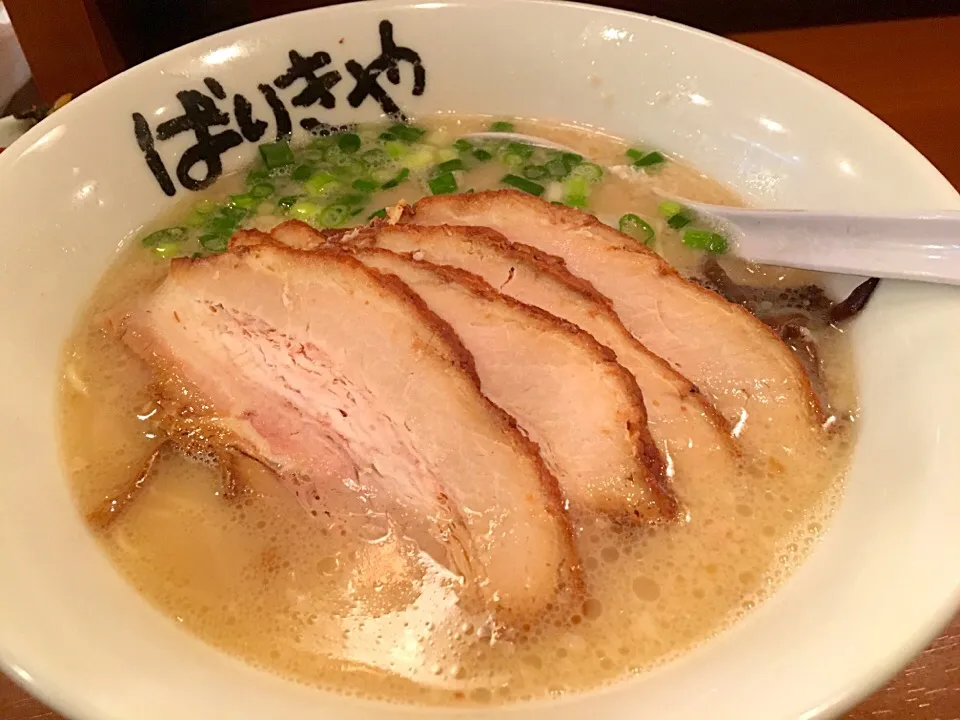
[870,679]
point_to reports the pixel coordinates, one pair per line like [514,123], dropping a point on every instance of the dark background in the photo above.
[143,28]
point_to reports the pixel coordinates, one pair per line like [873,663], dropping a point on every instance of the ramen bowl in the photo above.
[76,189]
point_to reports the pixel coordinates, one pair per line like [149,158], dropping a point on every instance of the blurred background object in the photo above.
[14,72]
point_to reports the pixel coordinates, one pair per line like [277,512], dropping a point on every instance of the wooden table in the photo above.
[908,73]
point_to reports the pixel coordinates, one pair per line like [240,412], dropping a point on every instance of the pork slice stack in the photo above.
[492,367]
[329,370]
[566,390]
[749,375]
[692,436]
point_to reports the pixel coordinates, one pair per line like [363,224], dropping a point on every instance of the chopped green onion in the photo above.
[381,213]
[675,213]
[166,250]
[482,155]
[705,240]
[450,166]
[443,184]
[303,172]
[319,181]
[571,159]
[557,168]
[375,157]
[262,190]
[576,201]
[304,210]
[349,167]
[334,215]
[654,158]
[513,160]
[635,154]
[287,201]
[535,172]
[247,202]
[194,219]
[387,137]
[669,208]
[521,149]
[577,185]
[349,142]
[444,154]
[256,175]
[397,179]
[462,145]
[588,170]
[637,228]
[501,126]
[214,242]
[276,154]
[167,235]
[406,133]
[419,158]
[523,184]
[396,149]
[205,207]
[226,219]
[365,185]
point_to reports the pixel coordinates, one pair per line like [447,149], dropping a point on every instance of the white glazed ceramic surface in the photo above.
[75,188]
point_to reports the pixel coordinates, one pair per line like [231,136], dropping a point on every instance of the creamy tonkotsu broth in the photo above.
[338,600]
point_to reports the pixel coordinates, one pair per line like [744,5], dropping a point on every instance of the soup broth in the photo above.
[340,601]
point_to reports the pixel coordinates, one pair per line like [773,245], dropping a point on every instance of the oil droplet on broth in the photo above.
[301,597]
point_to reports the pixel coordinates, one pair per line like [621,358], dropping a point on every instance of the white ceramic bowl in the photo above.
[881,583]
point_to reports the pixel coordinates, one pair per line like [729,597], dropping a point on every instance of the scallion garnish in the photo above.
[348,142]
[635,154]
[462,145]
[381,213]
[443,184]
[705,240]
[167,235]
[287,201]
[320,182]
[588,170]
[397,179]
[482,155]
[523,184]
[450,166]
[301,173]
[637,228]
[535,172]
[501,126]
[262,190]
[521,149]
[654,158]
[214,242]
[557,168]
[276,154]
[364,185]
[406,133]
[334,215]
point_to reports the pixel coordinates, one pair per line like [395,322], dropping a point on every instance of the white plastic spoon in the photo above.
[921,246]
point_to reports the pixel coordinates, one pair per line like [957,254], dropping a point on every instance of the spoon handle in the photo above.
[924,246]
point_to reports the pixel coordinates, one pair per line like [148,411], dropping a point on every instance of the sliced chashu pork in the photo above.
[568,392]
[750,375]
[333,372]
[689,431]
